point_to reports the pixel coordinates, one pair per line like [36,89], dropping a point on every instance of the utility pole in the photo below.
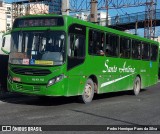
[93,13]
[65,7]
[106,13]
[150,19]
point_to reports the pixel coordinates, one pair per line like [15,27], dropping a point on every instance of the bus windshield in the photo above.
[37,48]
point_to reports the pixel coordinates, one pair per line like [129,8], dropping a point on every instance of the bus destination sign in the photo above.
[38,22]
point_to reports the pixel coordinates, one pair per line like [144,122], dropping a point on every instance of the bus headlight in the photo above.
[55,80]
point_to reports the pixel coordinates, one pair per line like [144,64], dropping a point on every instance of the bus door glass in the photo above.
[76,45]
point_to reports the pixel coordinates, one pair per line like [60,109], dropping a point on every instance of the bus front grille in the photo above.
[31,71]
[27,88]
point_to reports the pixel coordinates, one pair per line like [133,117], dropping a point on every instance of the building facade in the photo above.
[5,17]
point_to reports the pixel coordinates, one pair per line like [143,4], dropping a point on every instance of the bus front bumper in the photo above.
[39,90]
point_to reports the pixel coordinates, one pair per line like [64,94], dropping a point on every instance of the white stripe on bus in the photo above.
[113,81]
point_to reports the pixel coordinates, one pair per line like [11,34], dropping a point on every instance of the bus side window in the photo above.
[112,45]
[125,47]
[145,51]
[136,49]
[108,51]
[96,41]
[154,52]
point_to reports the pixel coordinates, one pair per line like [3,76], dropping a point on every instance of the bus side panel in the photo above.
[110,68]
[95,67]
[119,74]
[145,73]
[124,76]
[104,87]
[148,73]
[76,80]
[154,73]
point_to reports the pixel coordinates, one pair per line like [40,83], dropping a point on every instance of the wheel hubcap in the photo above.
[88,90]
[137,86]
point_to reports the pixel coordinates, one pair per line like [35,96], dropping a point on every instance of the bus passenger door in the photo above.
[75,59]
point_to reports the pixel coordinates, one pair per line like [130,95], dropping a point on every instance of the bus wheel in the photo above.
[137,86]
[88,93]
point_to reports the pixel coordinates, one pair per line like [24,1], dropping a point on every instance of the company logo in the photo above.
[124,69]
[30,73]
[6,128]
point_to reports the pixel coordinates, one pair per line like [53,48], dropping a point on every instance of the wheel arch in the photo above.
[95,81]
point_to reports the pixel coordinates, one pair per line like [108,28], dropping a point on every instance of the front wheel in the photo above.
[88,92]
[137,86]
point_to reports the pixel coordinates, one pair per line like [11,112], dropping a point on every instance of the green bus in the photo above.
[159,62]
[55,55]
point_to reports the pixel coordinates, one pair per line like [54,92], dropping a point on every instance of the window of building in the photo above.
[8,8]
[8,16]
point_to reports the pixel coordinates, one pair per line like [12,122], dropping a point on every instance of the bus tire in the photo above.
[88,92]
[137,86]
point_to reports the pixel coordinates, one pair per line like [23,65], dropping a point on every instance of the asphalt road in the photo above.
[120,108]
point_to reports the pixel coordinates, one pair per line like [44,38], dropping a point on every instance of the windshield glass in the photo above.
[37,48]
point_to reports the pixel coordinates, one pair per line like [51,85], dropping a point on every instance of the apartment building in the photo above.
[5,17]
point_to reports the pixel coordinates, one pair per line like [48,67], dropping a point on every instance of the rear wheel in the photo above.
[137,86]
[88,92]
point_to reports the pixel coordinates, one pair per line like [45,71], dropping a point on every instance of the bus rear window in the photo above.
[38,22]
